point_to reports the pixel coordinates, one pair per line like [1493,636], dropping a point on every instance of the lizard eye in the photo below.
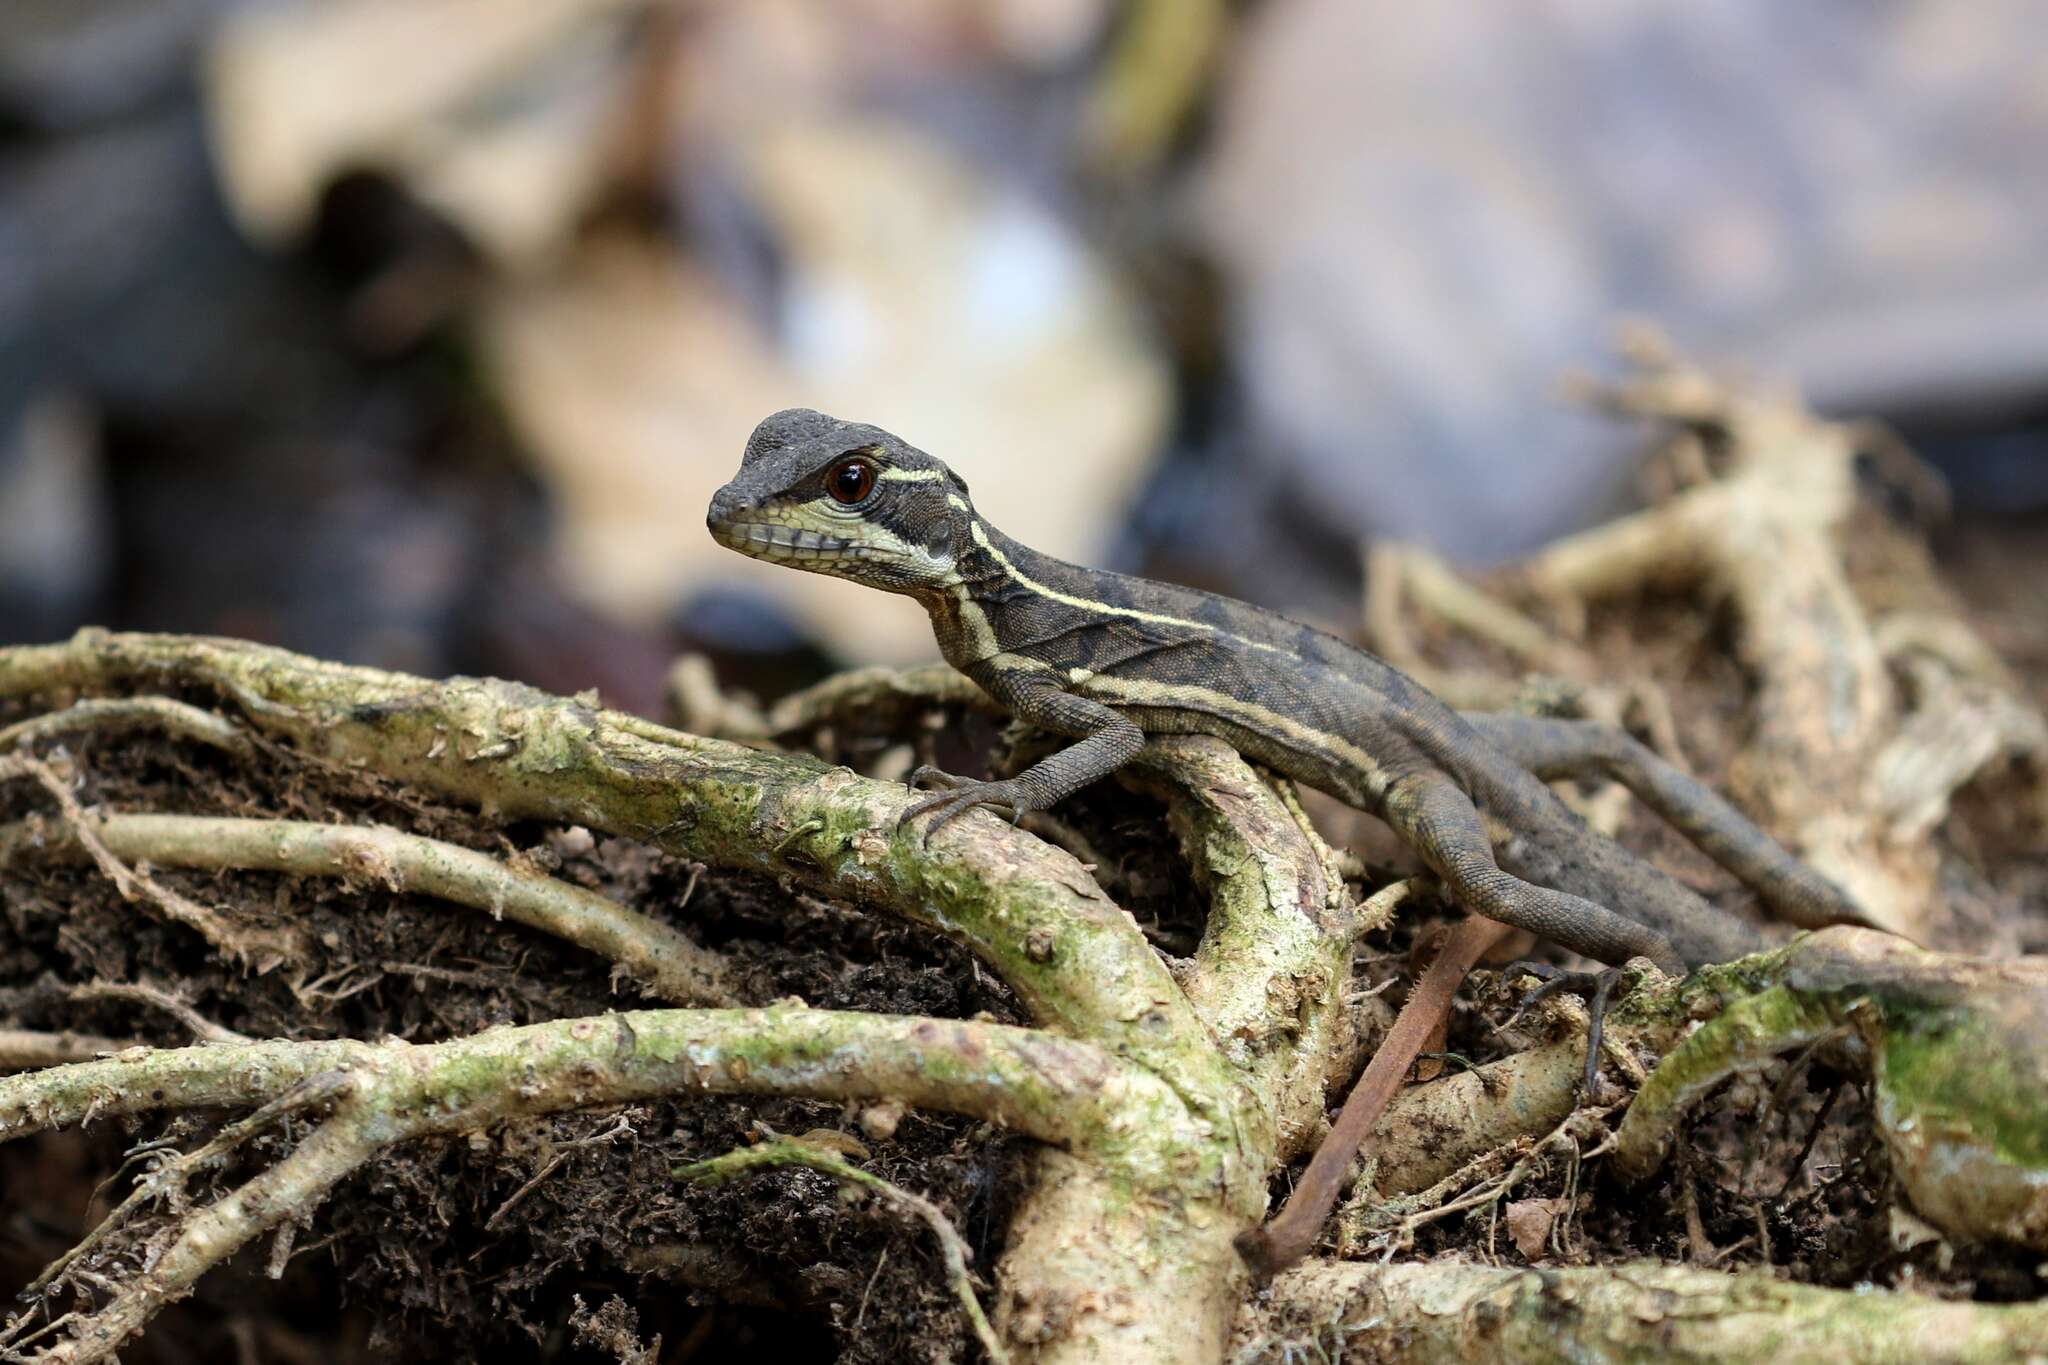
[850,480]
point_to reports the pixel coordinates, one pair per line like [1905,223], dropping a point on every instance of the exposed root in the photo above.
[1155,1281]
[671,965]
[1839,762]
[1371,1226]
[1953,1049]
[140,993]
[259,949]
[952,1247]
[703,708]
[169,1175]
[1378,910]
[1765,531]
[522,754]
[882,698]
[1064,1093]
[1277,942]
[23,1049]
[1446,1310]
[207,1237]
[1399,574]
[160,714]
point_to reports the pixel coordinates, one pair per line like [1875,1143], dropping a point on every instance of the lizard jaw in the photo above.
[783,544]
[873,555]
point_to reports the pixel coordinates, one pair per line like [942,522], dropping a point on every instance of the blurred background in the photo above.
[418,332]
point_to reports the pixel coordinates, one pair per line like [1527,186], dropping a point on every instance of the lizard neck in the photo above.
[976,613]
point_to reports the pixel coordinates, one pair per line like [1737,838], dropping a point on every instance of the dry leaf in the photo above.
[1529,1222]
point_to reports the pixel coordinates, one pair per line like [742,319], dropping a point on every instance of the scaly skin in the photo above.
[1107,659]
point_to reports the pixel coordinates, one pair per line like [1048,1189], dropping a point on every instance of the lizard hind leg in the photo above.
[1439,821]
[1554,749]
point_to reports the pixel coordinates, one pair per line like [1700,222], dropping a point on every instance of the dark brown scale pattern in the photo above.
[1107,659]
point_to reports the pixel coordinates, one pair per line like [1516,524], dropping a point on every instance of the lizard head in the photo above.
[844,499]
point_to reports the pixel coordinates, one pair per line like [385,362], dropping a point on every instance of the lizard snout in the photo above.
[728,505]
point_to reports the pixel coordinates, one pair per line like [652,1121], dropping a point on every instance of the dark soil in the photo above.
[486,1246]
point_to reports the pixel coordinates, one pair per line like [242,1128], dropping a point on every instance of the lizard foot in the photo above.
[958,795]
[1596,987]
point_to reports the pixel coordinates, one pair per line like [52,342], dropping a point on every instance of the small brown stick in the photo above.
[1289,1236]
[952,1246]
[262,949]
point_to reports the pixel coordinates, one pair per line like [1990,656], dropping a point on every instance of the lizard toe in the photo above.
[962,797]
[925,775]
[1597,987]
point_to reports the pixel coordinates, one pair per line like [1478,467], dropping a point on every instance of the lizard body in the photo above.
[1107,659]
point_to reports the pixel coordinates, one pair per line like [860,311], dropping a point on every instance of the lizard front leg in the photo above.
[1108,740]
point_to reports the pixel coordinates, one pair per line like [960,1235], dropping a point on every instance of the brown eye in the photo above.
[850,480]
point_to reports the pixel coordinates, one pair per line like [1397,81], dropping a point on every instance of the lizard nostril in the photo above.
[726,504]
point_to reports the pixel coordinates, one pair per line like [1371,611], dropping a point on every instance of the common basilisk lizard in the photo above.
[1106,659]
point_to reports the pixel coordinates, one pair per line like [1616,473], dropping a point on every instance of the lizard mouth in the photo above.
[767,540]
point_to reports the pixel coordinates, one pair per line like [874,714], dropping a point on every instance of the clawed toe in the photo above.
[959,795]
[925,775]
[1598,989]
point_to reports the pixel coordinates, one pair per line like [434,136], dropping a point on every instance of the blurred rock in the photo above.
[1426,213]
[56,533]
[67,63]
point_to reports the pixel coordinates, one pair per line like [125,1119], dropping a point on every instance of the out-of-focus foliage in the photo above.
[881,273]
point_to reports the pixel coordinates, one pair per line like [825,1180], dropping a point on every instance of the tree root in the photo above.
[258,949]
[671,965]
[1438,1310]
[1840,762]
[1953,1047]
[1121,1246]
[1063,1093]
[21,1049]
[126,992]
[112,714]
[1382,1228]
[1765,531]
